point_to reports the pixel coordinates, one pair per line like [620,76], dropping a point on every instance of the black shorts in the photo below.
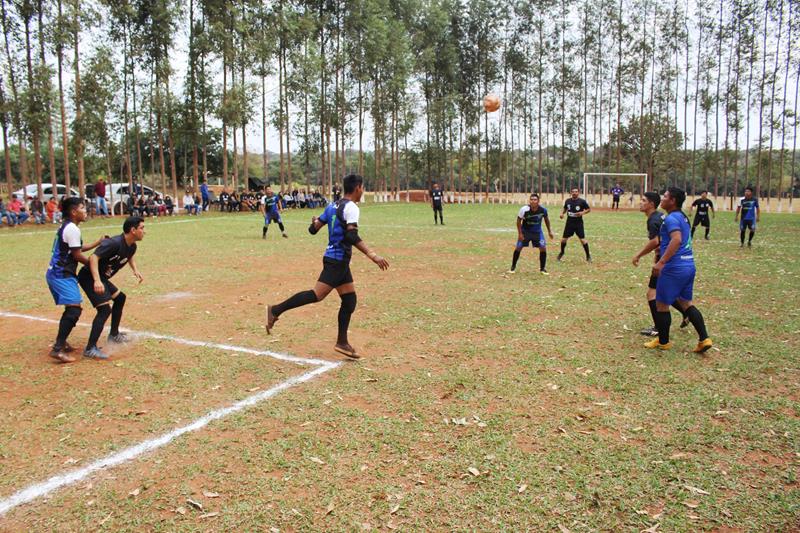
[573,228]
[653,282]
[616,200]
[87,284]
[437,207]
[335,273]
[702,221]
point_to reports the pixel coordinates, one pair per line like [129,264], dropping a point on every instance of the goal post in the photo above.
[600,193]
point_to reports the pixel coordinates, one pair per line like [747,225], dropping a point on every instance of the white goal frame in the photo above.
[587,174]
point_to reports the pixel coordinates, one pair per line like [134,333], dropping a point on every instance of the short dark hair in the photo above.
[535,195]
[351,181]
[653,198]
[749,188]
[131,223]
[574,188]
[70,203]
[703,192]
[678,195]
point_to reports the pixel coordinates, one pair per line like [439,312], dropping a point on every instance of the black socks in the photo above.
[98,324]
[298,300]
[280,225]
[586,249]
[264,231]
[515,259]
[349,301]
[542,259]
[116,312]
[652,305]
[696,318]
[563,247]
[750,239]
[663,322]
[68,320]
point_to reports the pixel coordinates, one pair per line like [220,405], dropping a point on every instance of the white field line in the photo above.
[14,233]
[56,482]
[189,342]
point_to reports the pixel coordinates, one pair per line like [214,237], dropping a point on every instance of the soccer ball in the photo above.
[491,103]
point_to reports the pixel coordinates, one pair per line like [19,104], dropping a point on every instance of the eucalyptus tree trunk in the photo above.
[50,148]
[37,161]
[774,77]
[79,142]
[16,119]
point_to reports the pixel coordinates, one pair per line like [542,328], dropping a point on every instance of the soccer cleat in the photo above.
[285,236]
[589,259]
[347,350]
[544,272]
[560,256]
[703,346]
[656,344]
[512,271]
[264,236]
[649,332]
[749,244]
[67,348]
[442,223]
[684,322]
[95,353]
[119,338]
[59,354]
[271,319]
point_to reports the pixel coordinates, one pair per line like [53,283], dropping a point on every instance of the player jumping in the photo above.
[675,271]
[529,231]
[342,220]
[751,213]
[703,204]
[575,208]
[271,209]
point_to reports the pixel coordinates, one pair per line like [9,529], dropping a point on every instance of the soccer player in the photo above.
[616,192]
[675,271]
[575,208]
[703,204]
[61,274]
[529,231]
[342,220]
[95,280]
[649,206]
[437,195]
[271,209]
[751,213]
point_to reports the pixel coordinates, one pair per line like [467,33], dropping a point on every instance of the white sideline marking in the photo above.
[12,233]
[189,342]
[41,489]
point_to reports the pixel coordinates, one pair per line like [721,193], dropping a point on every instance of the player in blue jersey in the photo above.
[341,218]
[271,209]
[675,271]
[529,231]
[751,213]
[616,192]
[61,273]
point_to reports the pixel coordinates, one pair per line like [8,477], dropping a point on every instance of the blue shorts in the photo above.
[531,239]
[65,291]
[272,217]
[747,224]
[673,284]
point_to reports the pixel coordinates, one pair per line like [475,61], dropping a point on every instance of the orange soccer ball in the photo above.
[491,103]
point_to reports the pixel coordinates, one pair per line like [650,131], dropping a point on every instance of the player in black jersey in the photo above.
[112,254]
[703,205]
[437,197]
[575,208]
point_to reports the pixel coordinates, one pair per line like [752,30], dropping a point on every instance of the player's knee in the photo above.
[104,311]
[349,301]
[120,298]
[73,313]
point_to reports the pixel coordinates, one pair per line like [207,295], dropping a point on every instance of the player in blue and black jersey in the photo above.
[437,198]
[616,192]
[61,274]
[751,213]
[271,209]
[703,205]
[675,271]
[575,208]
[341,218]
[529,231]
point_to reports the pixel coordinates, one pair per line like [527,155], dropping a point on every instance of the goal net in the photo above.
[597,188]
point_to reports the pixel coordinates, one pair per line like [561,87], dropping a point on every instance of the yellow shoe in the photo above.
[655,344]
[703,346]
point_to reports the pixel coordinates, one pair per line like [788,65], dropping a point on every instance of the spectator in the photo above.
[100,197]
[11,218]
[131,205]
[160,207]
[294,199]
[170,207]
[204,194]
[152,210]
[233,202]
[37,211]
[288,201]
[18,209]
[189,205]
[301,199]
[223,199]
[52,210]
[337,193]
[141,206]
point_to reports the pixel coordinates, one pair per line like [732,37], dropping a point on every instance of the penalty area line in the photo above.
[44,488]
[189,342]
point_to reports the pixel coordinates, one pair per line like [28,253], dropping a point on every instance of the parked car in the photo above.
[120,193]
[47,191]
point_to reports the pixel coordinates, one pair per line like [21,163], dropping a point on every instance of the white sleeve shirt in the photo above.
[351,213]
[71,235]
[524,209]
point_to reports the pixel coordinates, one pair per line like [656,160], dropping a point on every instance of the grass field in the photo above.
[483,402]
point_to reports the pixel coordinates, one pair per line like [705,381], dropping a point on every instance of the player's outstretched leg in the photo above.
[346,310]
[563,247]
[99,322]
[300,299]
[116,317]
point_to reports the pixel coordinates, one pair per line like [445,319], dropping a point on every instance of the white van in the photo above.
[47,191]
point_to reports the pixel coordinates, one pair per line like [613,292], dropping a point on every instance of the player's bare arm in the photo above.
[651,245]
[94,268]
[549,230]
[132,264]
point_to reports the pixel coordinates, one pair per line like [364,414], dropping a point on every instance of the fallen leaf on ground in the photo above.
[522,488]
[209,515]
[316,460]
[196,505]
[692,504]
[695,490]
[474,471]
[180,510]
[329,509]
[562,529]
[209,494]
[394,509]
[134,492]
[253,389]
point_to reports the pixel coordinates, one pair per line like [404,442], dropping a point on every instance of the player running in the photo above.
[616,192]
[342,220]
[675,271]
[575,208]
[271,209]
[62,276]
[95,280]
[529,231]
[703,205]
[751,214]
[437,197]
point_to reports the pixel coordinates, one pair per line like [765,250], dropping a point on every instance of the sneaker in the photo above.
[706,238]
[59,354]
[119,338]
[511,272]
[544,272]
[560,256]
[271,319]
[285,236]
[656,344]
[684,322]
[264,236]
[95,353]
[347,350]
[442,223]
[703,346]
[749,244]
[67,348]
[649,332]
[589,259]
